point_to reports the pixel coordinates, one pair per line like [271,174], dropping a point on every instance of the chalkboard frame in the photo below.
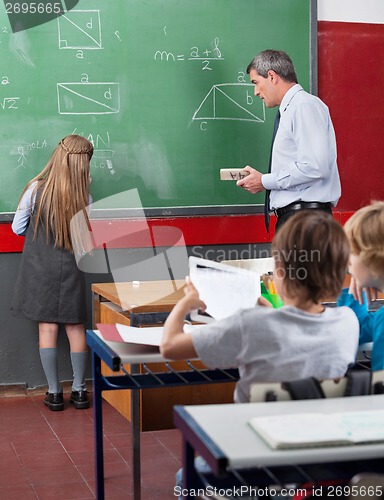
[201,210]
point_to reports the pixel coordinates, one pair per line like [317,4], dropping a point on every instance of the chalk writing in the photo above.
[216,53]
[230,101]
[103,164]
[80,29]
[99,143]
[98,98]
[241,77]
[36,145]
[22,159]
[103,152]
[10,103]
[23,151]
[162,54]
[205,56]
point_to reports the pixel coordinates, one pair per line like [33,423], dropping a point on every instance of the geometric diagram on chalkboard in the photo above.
[80,29]
[23,16]
[231,101]
[99,98]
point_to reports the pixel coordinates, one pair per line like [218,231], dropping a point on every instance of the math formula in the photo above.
[205,56]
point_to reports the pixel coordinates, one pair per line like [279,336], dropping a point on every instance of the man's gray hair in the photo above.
[275,60]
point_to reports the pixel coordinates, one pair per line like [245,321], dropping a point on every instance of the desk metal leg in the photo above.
[189,471]
[98,417]
[135,415]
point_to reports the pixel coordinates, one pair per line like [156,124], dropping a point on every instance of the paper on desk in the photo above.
[147,336]
[133,335]
[130,334]
[224,293]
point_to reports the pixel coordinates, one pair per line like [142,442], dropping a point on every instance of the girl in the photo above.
[50,287]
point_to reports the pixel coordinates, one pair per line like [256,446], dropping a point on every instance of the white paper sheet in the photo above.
[145,336]
[224,293]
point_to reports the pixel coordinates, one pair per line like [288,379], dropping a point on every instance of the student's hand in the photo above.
[174,343]
[262,301]
[356,289]
[252,182]
[192,297]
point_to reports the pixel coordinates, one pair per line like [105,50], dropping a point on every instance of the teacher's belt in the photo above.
[302,205]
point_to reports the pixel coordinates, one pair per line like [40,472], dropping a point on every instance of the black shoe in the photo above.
[54,401]
[80,399]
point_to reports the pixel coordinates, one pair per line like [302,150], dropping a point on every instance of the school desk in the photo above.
[239,457]
[139,379]
[148,303]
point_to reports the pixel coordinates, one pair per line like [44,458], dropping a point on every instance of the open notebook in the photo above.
[306,430]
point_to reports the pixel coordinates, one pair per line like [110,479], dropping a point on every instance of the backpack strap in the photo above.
[358,383]
[307,388]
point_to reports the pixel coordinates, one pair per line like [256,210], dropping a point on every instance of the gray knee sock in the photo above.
[48,358]
[79,364]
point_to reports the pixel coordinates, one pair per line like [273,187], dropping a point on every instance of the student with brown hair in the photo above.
[50,287]
[301,339]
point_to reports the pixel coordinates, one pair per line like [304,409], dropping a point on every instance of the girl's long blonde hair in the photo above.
[63,187]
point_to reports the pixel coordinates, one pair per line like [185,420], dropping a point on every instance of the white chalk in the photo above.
[135,283]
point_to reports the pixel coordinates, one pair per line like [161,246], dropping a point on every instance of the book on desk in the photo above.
[307,430]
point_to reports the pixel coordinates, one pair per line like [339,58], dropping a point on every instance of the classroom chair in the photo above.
[355,383]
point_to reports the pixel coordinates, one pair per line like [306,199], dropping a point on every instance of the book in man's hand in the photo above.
[306,430]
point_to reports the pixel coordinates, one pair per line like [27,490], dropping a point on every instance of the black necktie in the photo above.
[268,192]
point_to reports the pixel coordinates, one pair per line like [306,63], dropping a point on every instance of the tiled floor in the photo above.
[45,454]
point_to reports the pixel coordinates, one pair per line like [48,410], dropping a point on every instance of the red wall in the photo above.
[172,231]
[351,83]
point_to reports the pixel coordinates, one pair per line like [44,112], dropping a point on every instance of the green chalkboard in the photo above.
[159,87]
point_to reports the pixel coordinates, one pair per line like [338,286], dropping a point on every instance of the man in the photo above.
[303,169]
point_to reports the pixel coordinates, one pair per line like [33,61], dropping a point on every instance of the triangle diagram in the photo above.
[229,102]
